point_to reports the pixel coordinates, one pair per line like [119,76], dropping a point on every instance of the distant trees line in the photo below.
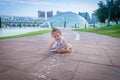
[104,9]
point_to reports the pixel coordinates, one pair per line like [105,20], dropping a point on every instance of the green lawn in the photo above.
[27,34]
[113,30]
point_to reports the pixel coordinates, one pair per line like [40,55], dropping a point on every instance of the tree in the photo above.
[102,11]
[115,12]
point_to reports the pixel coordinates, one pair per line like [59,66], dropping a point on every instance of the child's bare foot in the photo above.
[57,51]
[63,51]
[70,51]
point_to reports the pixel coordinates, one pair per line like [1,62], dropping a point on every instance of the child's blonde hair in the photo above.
[55,30]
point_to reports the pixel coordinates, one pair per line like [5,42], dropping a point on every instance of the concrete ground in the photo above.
[94,57]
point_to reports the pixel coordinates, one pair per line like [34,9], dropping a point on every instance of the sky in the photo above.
[30,8]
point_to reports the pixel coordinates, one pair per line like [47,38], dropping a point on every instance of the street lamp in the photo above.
[64,22]
[0,23]
[109,10]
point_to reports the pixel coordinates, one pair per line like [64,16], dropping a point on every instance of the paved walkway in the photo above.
[94,57]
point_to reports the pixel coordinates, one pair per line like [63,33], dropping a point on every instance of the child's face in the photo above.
[56,36]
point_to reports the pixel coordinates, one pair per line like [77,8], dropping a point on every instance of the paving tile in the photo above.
[16,75]
[87,71]
[57,67]
[113,53]
[114,56]
[114,47]
[21,61]
[116,61]
[90,51]
[91,58]
[3,69]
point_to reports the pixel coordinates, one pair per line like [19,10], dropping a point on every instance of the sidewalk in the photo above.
[94,57]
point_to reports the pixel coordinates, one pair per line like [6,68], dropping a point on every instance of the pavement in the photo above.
[94,57]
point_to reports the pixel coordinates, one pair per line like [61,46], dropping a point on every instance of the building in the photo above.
[85,15]
[59,12]
[94,18]
[16,21]
[49,14]
[41,16]
[66,20]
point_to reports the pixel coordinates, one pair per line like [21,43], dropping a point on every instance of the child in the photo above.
[59,45]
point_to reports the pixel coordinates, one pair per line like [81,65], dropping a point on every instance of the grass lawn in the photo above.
[113,30]
[26,34]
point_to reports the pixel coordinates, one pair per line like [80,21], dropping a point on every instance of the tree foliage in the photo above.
[115,12]
[102,11]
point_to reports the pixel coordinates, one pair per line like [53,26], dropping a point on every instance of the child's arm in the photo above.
[67,49]
[50,46]
[66,44]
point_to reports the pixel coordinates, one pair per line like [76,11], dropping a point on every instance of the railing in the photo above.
[19,24]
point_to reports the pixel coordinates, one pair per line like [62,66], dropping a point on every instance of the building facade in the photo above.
[16,21]
[94,18]
[49,14]
[41,16]
[66,20]
[86,16]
